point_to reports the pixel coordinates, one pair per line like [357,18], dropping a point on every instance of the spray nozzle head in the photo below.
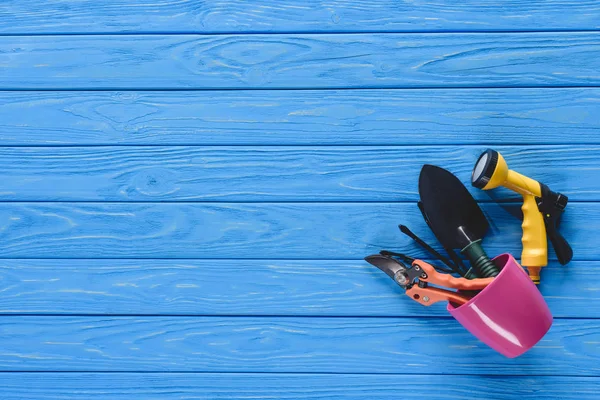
[490,170]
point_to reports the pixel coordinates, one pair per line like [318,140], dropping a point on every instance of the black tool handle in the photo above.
[552,205]
[563,250]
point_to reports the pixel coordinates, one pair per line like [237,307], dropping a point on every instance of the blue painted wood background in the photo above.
[188,188]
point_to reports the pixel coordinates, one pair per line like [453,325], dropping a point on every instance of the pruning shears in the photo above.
[417,278]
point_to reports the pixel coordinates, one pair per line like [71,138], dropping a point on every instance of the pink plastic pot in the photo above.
[510,315]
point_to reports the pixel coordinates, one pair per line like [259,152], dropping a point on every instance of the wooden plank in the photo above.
[247,287]
[311,345]
[255,230]
[171,386]
[388,173]
[380,117]
[160,16]
[299,61]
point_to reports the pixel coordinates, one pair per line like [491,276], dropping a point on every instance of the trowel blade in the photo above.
[450,209]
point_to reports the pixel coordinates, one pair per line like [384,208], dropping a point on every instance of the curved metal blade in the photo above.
[452,213]
[393,268]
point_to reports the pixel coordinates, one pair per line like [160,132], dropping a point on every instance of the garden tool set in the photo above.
[495,299]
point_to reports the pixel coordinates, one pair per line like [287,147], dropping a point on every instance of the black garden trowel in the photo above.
[455,217]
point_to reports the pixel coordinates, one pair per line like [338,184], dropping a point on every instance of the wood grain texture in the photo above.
[64,16]
[256,230]
[320,174]
[254,344]
[235,386]
[207,243]
[299,61]
[247,287]
[384,117]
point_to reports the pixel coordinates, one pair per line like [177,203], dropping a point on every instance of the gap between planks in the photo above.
[292,32]
[291,88]
[299,373]
[261,316]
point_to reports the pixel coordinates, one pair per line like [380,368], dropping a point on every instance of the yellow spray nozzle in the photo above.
[491,171]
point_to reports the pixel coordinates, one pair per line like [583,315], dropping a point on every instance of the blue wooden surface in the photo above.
[188,189]
[296,61]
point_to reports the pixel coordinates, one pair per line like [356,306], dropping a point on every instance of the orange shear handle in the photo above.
[431,295]
[450,281]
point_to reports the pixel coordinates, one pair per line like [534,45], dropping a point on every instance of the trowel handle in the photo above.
[480,262]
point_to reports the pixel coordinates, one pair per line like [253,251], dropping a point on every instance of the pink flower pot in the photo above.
[510,315]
